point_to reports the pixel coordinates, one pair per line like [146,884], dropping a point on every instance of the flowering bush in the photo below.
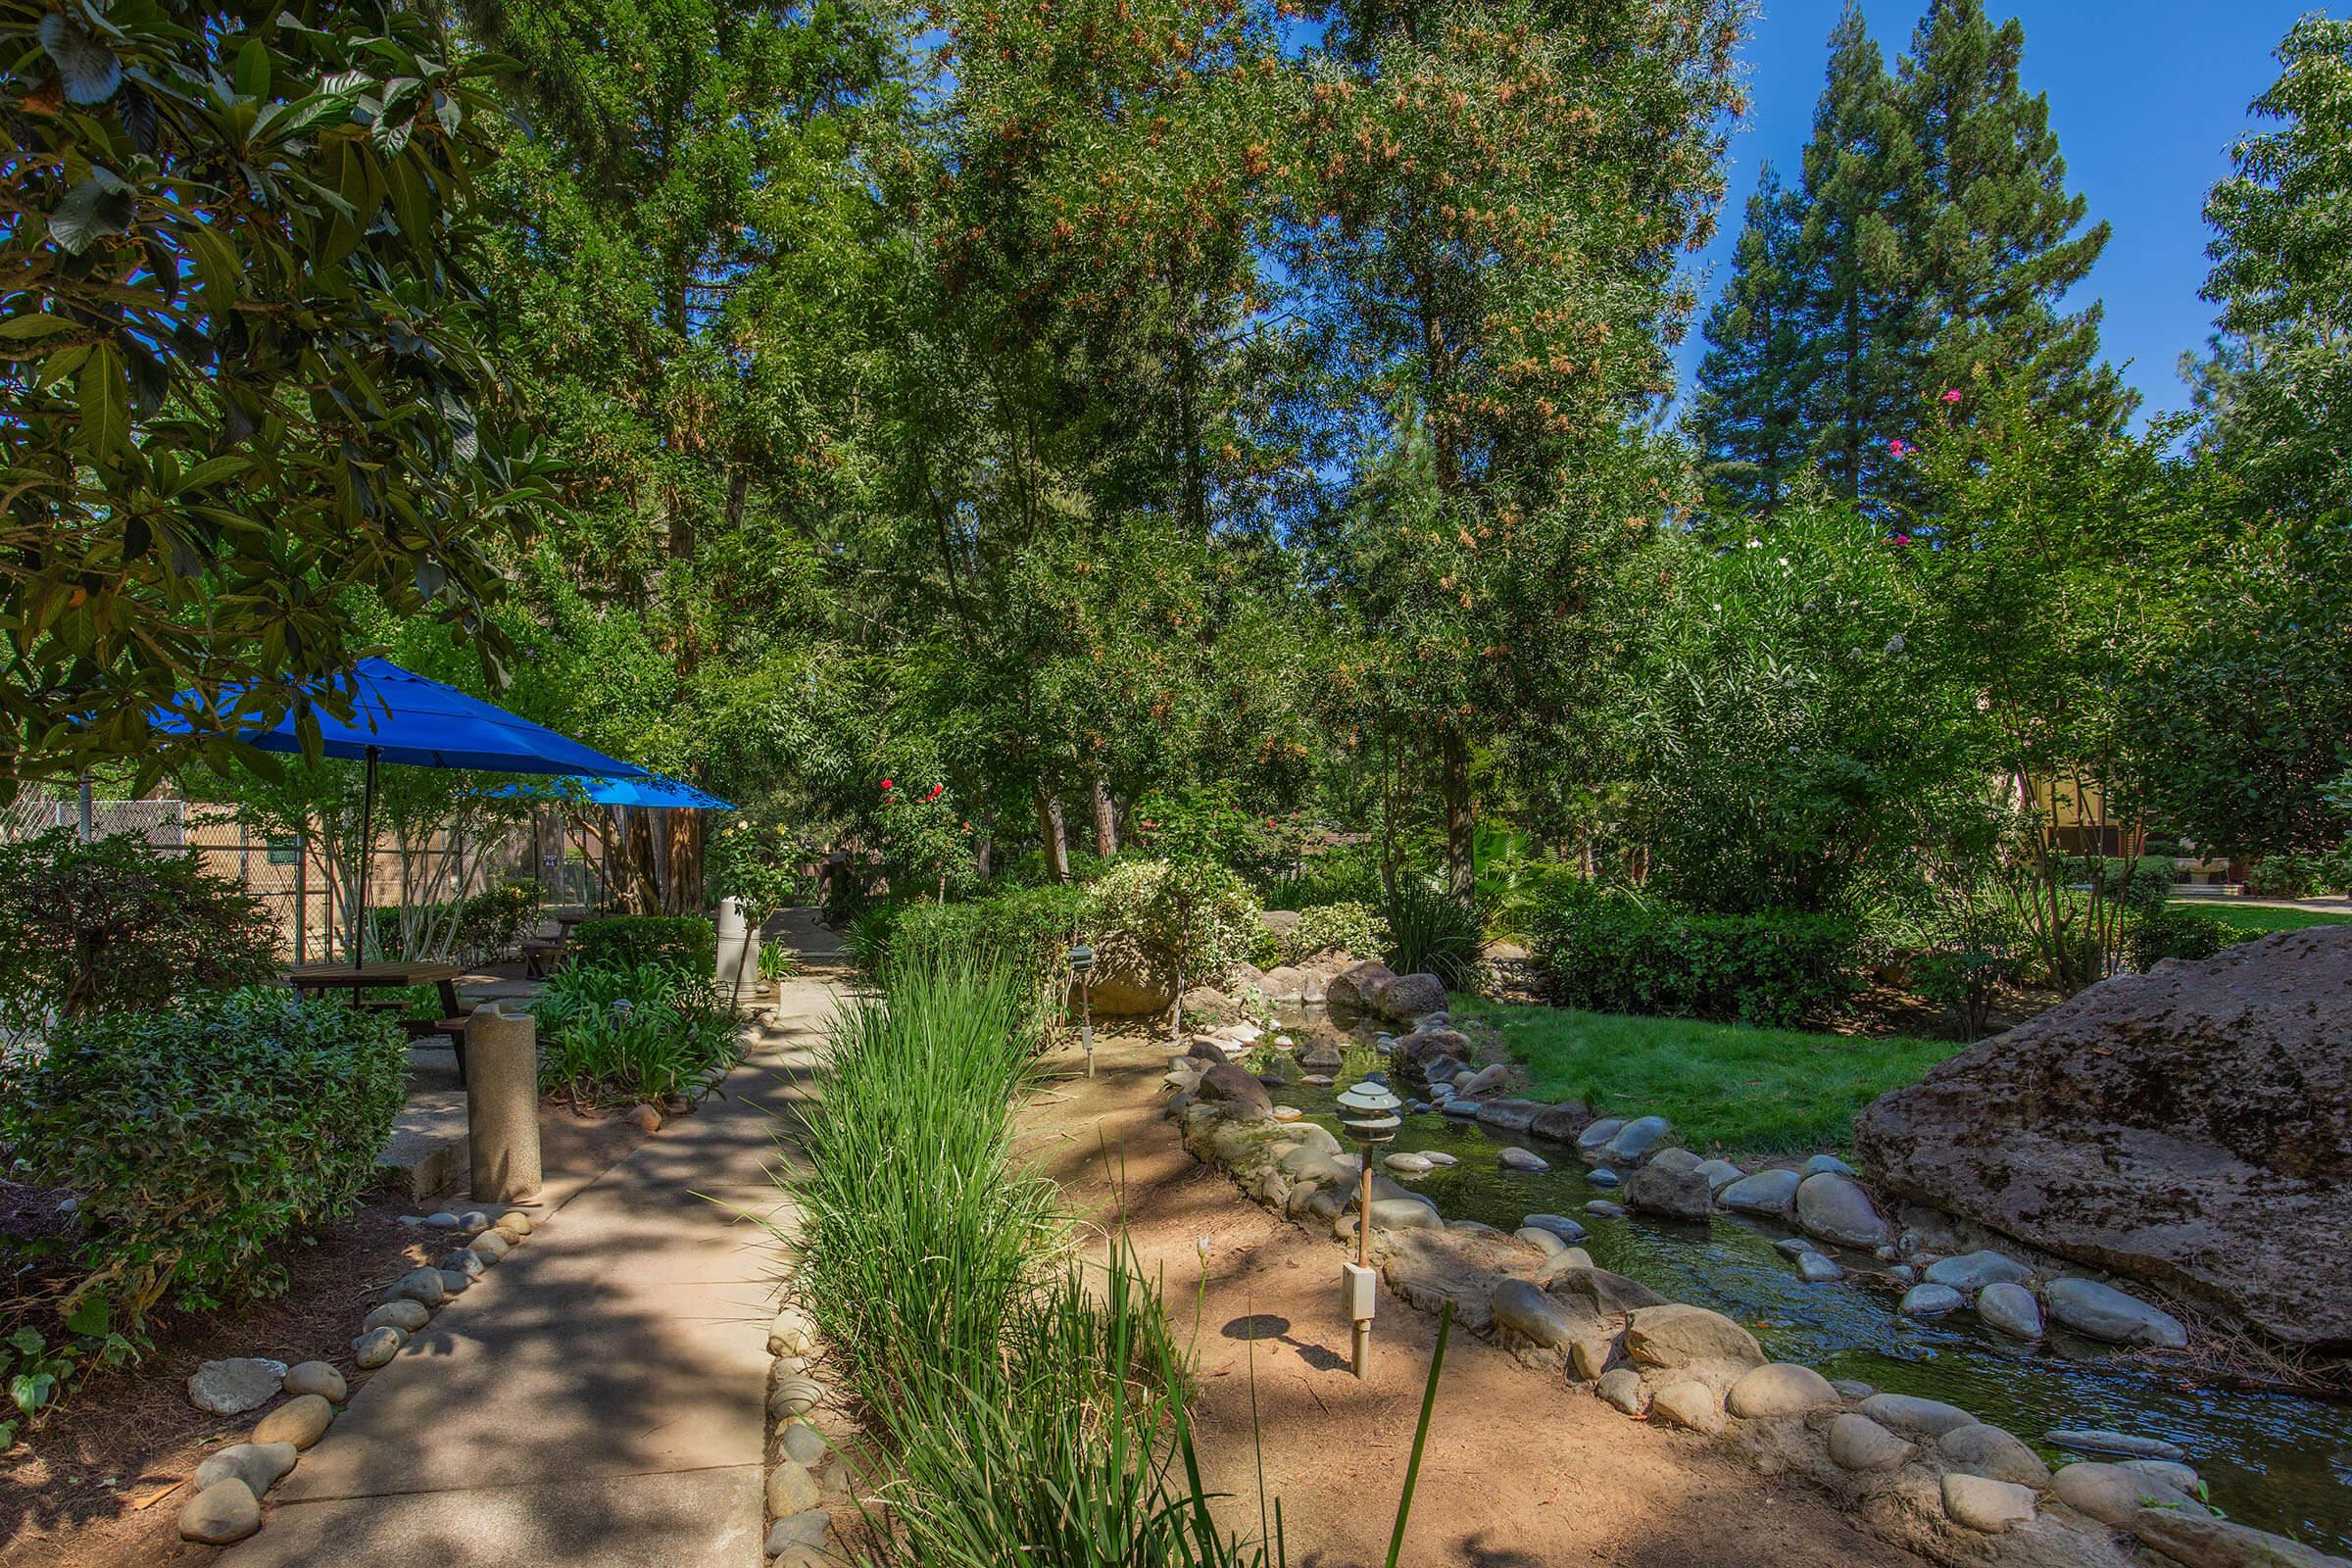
[767,869]
[925,840]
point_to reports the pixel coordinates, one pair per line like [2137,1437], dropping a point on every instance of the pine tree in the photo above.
[1989,227]
[1865,331]
[1747,414]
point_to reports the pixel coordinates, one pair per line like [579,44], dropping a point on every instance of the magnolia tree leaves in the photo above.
[245,362]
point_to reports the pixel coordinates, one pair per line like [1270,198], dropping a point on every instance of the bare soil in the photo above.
[100,1483]
[1521,1471]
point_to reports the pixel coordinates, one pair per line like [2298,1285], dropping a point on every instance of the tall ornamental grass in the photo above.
[1031,1404]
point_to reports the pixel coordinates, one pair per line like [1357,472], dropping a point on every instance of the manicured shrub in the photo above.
[1025,931]
[646,1031]
[1612,953]
[1432,933]
[1350,927]
[476,929]
[117,925]
[684,943]
[199,1138]
[1160,920]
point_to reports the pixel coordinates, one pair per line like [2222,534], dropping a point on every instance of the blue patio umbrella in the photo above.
[400,717]
[651,789]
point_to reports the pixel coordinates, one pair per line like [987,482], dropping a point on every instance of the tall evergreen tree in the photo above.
[1991,233]
[1860,364]
[1746,415]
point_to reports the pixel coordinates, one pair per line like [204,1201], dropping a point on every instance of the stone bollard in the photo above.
[502,1104]
[738,967]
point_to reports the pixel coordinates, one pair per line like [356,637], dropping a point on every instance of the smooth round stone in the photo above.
[790,1489]
[1459,1109]
[795,1396]
[1767,1192]
[320,1378]
[1542,1240]
[2103,1312]
[236,1386]
[2112,1494]
[456,1281]
[1828,1164]
[516,1219]
[803,1531]
[1637,1138]
[378,1345]
[1439,1158]
[302,1421]
[1931,1300]
[1689,1404]
[467,1262]
[1836,1208]
[1596,1135]
[1857,1442]
[1678,1160]
[1988,1451]
[1602,1208]
[1621,1387]
[802,1442]
[1987,1505]
[404,1314]
[422,1285]
[1409,1164]
[1513,1157]
[259,1465]
[2008,1308]
[2122,1444]
[1779,1388]
[490,1247]
[1288,1113]
[445,1220]
[1604,1178]
[1970,1272]
[1321,1080]
[1720,1173]
[223,1512]
[1915,1417]
[791,1331]
[1818,1268]
[474,1219]
[1561,1225]
[1794,1245]
[1853,1388]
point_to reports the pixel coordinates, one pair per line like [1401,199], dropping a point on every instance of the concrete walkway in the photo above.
[598,1399]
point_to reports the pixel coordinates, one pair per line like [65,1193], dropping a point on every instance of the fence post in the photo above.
[301,895]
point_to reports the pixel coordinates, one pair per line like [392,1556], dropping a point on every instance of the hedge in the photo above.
[197,1139]
[1028,930]
[685,944]
[1607,952]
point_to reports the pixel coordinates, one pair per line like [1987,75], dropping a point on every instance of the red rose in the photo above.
[886,783]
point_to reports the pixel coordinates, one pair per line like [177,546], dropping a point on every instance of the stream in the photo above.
[2277,1461]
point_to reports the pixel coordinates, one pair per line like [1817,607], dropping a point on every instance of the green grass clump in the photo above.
[1020,1395]
[1742,1089]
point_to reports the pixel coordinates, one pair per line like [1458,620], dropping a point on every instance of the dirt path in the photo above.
[1521,1472]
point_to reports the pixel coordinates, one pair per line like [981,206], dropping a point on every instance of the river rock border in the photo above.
[1920,1473]
[232,1481]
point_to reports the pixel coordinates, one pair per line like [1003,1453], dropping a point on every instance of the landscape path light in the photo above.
[1368,1111]
[1082,970]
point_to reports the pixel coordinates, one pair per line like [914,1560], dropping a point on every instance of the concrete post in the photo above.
[502,1104]
[738,950]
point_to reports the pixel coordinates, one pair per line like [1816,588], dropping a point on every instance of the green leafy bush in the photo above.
[1432,933]
[1352,927]
[1347,873]
[1612,953]
[476,929]
[765,869]
[198,1137]
[2170,933]
[685,944]
[1158,920]
[646,1031]
[1026,931]
[117,925]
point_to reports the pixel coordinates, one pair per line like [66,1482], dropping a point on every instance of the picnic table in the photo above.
[382,976]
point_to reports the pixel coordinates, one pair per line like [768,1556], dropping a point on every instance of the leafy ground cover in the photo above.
[1742,1089]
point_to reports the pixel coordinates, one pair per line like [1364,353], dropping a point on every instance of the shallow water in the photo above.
[2276,1461]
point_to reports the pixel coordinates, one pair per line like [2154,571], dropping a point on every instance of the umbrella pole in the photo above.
[359,921]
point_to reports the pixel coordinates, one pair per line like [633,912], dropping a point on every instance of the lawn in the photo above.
[1747,1091]
[2254,920]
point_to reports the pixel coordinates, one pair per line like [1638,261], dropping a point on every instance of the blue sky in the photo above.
[2147,97]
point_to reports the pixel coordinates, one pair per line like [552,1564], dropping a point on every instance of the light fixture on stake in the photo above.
[1082,970]
[1368,1111]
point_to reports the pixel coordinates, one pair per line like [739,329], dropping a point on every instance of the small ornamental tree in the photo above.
[116,925]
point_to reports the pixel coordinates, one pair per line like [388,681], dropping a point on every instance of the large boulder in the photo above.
[1401,998]
[1352,989]
[2191,1127]
[1232,1087]
[1678,1336]
[1660,1188]
[1126,994]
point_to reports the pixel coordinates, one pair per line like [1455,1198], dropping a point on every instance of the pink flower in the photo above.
[1900,448]
[1899,539]
[1952,396]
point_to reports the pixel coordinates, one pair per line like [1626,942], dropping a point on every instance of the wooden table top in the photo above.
[381,972]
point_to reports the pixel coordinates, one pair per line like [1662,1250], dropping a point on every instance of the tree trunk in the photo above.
[1461,879]
[682,857]
[1048,827]
[1106,823]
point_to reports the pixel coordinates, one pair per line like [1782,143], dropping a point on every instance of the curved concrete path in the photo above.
[598,1399]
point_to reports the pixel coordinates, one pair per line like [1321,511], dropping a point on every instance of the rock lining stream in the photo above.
[2277,1461]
